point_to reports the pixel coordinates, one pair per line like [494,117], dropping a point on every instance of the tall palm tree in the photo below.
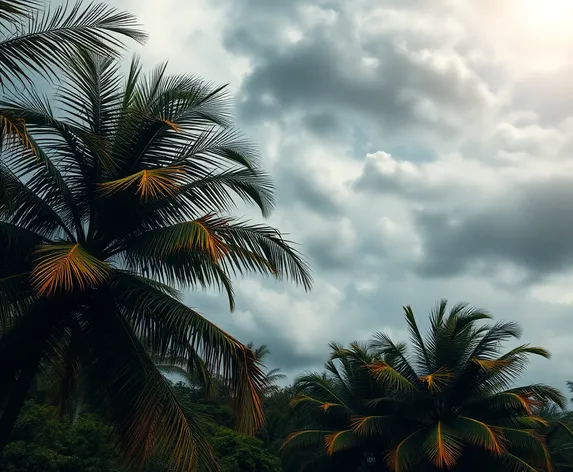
[112,209]
[446,402]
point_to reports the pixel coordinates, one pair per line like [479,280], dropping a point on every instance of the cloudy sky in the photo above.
[421,149]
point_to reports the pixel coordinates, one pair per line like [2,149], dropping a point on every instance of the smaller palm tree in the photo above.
[558,435]
[445,402]
[211,385]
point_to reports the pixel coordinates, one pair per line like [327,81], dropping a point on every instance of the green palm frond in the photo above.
[389,376]
[480,434]
[173,329]
[45,37]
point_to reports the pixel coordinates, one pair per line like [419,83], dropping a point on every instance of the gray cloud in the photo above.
[530,226]
[387,78]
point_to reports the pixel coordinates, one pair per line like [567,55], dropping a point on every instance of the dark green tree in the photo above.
[447,401]
[106,214]
[41,441]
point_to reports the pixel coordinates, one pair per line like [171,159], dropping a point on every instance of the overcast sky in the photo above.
[421,149]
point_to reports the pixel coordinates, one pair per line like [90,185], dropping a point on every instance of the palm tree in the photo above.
[211,386]
[273,376]
[446,402]
[104,217]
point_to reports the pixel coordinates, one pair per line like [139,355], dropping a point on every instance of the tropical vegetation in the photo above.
[117,196]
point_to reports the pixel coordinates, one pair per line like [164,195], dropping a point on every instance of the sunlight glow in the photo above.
[551,19]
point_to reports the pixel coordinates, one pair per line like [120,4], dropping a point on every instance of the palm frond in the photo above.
[340,441]
[479,434]
[179,328]
[420,351]
[386,374]
[441,447]
[406,454]
[148,183]
[304,439]
[375,426]
[13,10]
[198,235]
[262,249]
[145,411]
[63,268]
[46,37]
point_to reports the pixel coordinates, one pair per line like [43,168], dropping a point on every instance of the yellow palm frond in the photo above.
[492,364]
[14,129]
[63,268]
[151,183]
[437,380]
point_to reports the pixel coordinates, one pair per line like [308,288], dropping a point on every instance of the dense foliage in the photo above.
[42,440]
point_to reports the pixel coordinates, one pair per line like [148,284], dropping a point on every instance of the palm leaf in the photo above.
[63,268]
[144,409]
[150,183]
[479,434]
[198,235]
[14,10]
[304,439]
[389,376]
[340,441]
[406,454]
[179,328]
[48,37]
[442,448]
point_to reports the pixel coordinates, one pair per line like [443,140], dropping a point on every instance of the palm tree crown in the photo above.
[107,212]
[447,402]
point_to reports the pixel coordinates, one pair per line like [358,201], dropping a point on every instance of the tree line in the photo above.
[446,400]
